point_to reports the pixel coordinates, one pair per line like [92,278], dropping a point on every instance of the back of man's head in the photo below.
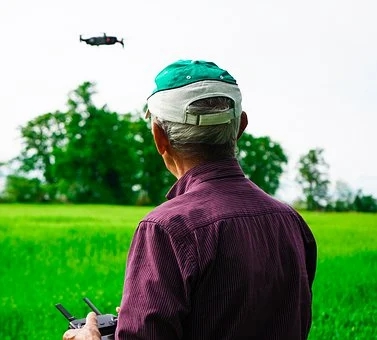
[199,107]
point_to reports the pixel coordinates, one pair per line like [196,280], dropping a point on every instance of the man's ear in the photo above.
[160,138]
[243,124]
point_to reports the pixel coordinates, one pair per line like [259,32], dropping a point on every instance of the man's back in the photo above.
[243,263]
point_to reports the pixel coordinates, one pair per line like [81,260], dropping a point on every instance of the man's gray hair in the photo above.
[203,142]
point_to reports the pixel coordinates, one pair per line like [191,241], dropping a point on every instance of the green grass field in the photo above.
[51,254]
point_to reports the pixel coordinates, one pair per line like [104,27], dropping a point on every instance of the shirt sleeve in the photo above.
[158,283]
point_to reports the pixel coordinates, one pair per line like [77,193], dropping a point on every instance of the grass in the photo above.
[345,288]
[59,254]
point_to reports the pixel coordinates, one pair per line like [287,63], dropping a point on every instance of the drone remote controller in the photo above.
[106,322]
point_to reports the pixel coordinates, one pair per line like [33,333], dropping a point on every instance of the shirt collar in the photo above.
[210,170]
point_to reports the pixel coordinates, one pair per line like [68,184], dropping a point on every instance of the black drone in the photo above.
[102,40]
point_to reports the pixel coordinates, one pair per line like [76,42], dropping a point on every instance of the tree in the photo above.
[98,163]
[365,203]
[21,189]
[262,160]
[90,154]
[313,178]
[85,154]
[153,179]
[93,155]
[41,138]
[343,197]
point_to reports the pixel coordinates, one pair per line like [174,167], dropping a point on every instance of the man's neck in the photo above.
[179,166]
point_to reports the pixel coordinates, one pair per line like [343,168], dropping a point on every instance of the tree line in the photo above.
[314,180]
[90,154]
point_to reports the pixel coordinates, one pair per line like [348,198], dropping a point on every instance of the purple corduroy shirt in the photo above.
[220,259]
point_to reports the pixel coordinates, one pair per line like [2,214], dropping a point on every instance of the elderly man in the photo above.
[220,259]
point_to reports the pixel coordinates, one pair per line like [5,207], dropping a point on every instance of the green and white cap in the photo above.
[186,81]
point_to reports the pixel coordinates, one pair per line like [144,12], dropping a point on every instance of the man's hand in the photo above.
[88,332]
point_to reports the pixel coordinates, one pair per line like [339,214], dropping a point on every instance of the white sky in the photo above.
[307,69]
